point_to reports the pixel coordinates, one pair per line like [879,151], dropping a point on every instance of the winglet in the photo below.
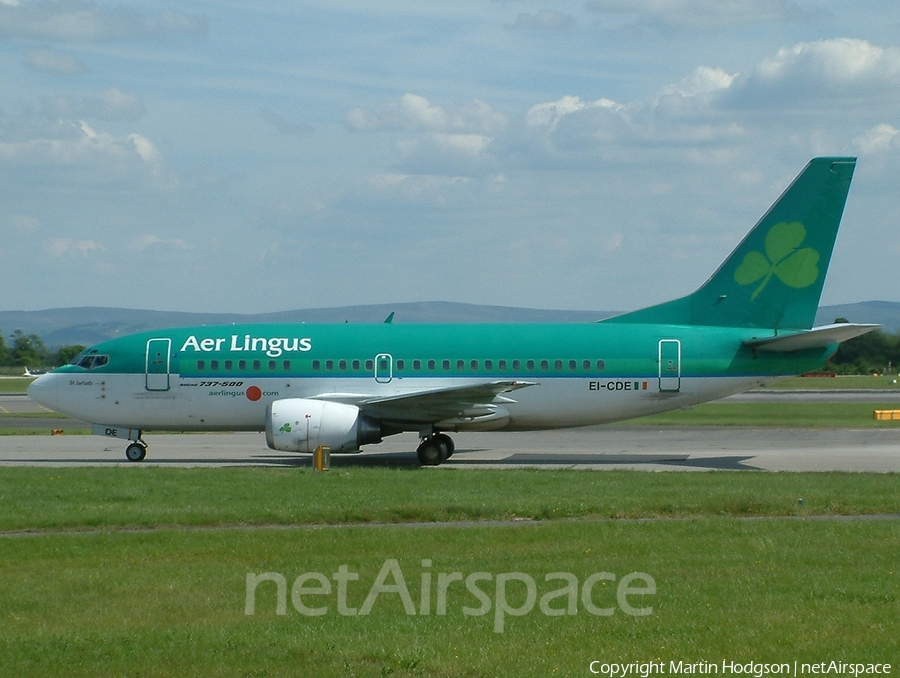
[390,319]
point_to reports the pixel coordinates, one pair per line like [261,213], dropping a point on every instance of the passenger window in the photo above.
[517,365]
[601,364]
[316,365]
[214,365]
[242,365]
[460,365]
[557,365]
[474,365]
[355,365]
[489,365]
[201,365]
[573,365]
[329,365]
[370,365]
[417,365]
[286,366]
[501,365]
[228,365]
[545,365]
[257,365]
[445,365]
[529,364]
[401,365]
[586,365]
[272,366]
[431,365]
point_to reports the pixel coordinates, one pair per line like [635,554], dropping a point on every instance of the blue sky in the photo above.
[262,156]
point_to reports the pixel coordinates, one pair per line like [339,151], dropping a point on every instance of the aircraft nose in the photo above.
[44,390]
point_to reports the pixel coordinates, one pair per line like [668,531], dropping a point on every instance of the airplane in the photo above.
[348,385]
[33,373]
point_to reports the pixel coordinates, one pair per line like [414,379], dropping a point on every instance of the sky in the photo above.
[238,156]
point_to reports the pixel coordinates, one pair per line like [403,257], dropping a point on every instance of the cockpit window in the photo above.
[90,361]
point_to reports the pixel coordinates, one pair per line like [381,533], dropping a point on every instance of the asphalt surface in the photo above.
[595,447]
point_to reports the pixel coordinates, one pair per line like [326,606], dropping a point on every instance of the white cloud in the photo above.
[79,21]
[111,104]
[544,20]
[62,246]
[549,114]
[466,144]
[81,146]
[146,241]
[26,224]
[280,123]
[836,69]
[413,112]
[710,108]
[880,139]
[704,15]
[53,62]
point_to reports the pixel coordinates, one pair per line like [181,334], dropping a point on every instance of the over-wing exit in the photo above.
[344,386]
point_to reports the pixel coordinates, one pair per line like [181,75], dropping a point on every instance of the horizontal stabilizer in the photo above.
[818,337]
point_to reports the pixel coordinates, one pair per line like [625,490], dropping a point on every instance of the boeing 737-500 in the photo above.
[344,386]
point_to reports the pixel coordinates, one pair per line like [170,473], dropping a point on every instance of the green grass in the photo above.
[142,571]
[172,603]
[850,381]
[14,385]
[790,415]
[109,498]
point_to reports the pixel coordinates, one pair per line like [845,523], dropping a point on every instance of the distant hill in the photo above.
[90,325]
[885,313]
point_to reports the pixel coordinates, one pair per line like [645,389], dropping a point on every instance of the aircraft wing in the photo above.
[817,337]
[434,405]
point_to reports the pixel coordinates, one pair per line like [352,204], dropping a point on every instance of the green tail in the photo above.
[775,276]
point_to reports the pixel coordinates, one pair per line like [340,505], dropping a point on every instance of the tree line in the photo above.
[875,352]
[28,350]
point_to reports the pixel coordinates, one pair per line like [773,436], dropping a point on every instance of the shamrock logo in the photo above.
[285,429]
[794,267]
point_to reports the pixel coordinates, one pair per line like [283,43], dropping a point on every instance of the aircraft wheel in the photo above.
[447,441]
[432,452]
[136,452]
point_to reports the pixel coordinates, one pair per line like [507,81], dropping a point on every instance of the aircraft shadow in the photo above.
[410,462]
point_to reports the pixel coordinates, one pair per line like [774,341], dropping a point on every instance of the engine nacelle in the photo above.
[303,424]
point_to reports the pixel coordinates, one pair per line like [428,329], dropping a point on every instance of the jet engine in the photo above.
[303,424]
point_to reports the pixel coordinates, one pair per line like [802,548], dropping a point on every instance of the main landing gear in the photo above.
[136,451]
[435,449]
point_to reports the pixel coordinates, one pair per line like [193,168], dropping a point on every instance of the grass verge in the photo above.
[173,603]
[789,415]
[82,594]
[109,498]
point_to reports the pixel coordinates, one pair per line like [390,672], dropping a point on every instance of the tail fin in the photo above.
[774,278]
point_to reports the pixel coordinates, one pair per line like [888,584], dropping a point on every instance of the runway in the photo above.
[625,447]
[595,447]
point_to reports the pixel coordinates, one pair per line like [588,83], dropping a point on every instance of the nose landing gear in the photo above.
[136,451]
[435,449]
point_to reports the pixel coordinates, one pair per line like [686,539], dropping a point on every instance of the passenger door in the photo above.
[157,364]
[670,365]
